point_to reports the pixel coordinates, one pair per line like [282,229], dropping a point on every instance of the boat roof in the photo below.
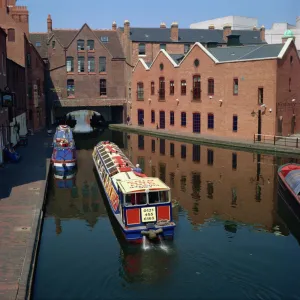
[139,184]
[293,180]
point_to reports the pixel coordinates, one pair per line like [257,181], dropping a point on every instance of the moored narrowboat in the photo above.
[289,185]
[64,150]
[65,180]
[141,205]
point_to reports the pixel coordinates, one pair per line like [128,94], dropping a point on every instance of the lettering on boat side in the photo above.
[148,214]
[142,184]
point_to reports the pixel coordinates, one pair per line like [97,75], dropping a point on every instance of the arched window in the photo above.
[140,91]
[210,86]
[162,91]
[196,87]
[152,88]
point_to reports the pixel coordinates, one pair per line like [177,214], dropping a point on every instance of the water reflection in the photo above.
[233,185]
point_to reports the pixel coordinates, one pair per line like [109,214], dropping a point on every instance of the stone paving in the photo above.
[22,193]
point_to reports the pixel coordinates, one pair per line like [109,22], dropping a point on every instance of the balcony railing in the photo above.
[282,141]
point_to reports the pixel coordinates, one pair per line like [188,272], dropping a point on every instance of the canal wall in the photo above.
[220,142]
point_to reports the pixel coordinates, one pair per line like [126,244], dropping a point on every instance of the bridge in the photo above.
[112,109]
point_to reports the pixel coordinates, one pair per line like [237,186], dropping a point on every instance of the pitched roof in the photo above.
[252,52]
[65,36]
[42,38]
[177,57]
[188,35]
[230,54]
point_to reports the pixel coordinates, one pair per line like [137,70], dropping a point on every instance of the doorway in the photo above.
[196,123]
[162,120]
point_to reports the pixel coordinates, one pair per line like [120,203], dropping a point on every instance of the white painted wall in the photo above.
[237,23]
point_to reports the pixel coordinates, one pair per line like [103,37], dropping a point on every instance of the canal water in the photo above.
[235,239]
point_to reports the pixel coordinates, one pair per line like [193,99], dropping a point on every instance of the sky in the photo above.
[101,14]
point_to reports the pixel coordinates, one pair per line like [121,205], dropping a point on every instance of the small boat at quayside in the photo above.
[141,205]
[64,151]
[289,185]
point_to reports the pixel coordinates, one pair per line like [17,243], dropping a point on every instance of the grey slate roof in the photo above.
[246,52]
[187,35]
[65,36]
[177,57]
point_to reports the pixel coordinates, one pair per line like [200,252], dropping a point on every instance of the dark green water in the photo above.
[234,238]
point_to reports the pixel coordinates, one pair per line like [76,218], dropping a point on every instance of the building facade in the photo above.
[35,75]
[235,91]
[4,121]
[86,68]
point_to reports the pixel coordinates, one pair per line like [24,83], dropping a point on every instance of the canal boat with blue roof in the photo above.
[289,185]
[141,205]
[64,150]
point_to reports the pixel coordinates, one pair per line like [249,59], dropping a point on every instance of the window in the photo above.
[196,153]
[183,151]
[235,123]
[172,119]
[196,62]
[260,95]
[103,91]
[235,86]
[142,49]
[172,88]
[211,86]
[11,35]
[90,45]
[140,91]
[70,64]
[210,121]
[91,64]
[38,44]
[162,88]
[80,45]
[80,64]
[102,64]
[30,92]
[210,157]
[163,46]
[290,84]
[53,44]
[70,87]
[183,87]
[104,39]
[186,48]
[196,87]
[152,88]
[291,59]
[162,146]
[161,66]
[210,190]
[153,146]
[140,117]
[28,57]
[152,116]
[183,119]
[234,161]
[172,149]
[141,142]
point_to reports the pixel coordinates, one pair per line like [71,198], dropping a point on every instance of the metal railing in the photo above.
[283,141]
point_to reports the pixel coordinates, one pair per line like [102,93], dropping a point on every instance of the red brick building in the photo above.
[4,122]
[86,66]
[226,91]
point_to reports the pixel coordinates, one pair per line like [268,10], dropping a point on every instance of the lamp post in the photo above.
[293,116]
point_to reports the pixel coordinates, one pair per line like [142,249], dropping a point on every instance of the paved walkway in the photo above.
[223,142]
[22,190]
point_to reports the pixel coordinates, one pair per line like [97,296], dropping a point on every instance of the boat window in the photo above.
[135,199]
[110,164]
[158,197]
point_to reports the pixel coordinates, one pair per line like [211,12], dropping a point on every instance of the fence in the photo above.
[292,142]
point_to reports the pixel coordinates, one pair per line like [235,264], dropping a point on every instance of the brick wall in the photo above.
[219,182]
[251,75]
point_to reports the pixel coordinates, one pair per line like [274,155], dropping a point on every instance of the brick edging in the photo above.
[26,279]
[238,145]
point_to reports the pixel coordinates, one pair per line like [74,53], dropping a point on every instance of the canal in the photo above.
[235,239]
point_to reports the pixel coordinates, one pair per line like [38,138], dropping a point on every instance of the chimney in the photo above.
[20,15]
[263,33]
[254,28]
[211,27]
[49,24]
[226,31]
[127,28]
[174,31]
[114,25]
[163,25]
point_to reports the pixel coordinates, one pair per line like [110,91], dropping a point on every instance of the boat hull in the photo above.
[135,235]
[60,166]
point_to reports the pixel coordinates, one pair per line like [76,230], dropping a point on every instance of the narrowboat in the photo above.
[64,151]
[289,185]
[140,204]
[65,180]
